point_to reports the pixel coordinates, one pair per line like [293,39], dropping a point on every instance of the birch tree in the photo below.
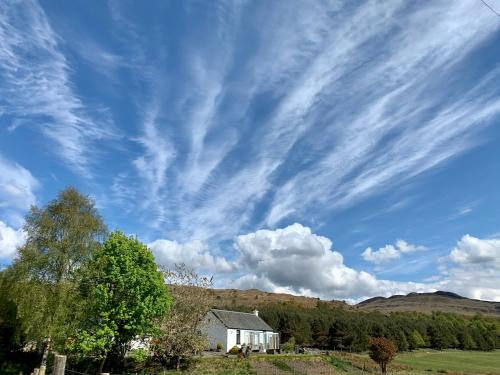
[60,237]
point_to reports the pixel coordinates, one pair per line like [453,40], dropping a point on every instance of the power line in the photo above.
[491,8]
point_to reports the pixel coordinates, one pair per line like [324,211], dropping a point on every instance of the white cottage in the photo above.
[233,328]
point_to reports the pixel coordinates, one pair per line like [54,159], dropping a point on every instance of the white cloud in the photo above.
[359,98]
[297,261]
[471,250]
[294,259]
[384,254]
[37,87]
[195,254]
[159,153]
[390,252]
[17,186]
[472,268]
[10,240]
[396,104]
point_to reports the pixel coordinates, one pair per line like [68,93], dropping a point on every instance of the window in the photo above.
[238,337]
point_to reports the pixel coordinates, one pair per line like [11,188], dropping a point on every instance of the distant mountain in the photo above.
[417,302]
[429,302]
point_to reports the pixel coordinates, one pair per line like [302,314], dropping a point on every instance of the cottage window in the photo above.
[238,337]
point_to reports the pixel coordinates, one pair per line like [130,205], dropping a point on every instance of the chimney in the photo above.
[256,312]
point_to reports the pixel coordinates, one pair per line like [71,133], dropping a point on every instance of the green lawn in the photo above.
[452,360]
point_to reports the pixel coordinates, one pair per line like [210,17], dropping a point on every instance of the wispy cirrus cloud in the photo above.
[391,137]
[271,142]
[350,110]
[37,87]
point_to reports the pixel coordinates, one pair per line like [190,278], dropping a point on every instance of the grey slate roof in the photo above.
[241,320]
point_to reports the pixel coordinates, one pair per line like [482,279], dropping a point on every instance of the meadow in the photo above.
[452,360]
[413,363]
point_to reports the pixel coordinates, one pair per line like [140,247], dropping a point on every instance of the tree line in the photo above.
[78,289]
[336,328]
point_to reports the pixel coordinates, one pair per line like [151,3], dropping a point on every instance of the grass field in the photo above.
[452,360]
[425,362]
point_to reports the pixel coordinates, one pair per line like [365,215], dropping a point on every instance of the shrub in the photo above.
[382,351]
[139,355]
[234,350]
[289,346]
[219,346]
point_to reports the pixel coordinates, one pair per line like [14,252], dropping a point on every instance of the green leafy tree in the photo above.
[125,294]
[382,351]
[60,237]
[465,340]
[399,338]
[416,340]
[338,333]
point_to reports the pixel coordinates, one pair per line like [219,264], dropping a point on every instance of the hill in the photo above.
[429,302]
[254,298]
[417,302]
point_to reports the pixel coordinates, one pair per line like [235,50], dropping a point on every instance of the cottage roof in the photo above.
[241,320]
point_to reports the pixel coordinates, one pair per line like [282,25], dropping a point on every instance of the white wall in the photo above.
[231,339]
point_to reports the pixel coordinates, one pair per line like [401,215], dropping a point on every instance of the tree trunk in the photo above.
[46,351]
[45,356]
[178,363]
[101,365]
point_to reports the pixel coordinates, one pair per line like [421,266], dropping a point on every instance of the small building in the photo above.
[233,328]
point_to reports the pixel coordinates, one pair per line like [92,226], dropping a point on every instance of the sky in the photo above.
[335,149]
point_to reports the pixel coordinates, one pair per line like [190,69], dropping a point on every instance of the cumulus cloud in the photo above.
[390,252]
[472,250]
[294,259]
[10,239]
[195,254]
[472,268]
[17,186]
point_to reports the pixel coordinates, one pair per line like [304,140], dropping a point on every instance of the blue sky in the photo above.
[328,148]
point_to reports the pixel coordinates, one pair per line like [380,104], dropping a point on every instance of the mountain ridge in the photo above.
[428,302]
[442,301]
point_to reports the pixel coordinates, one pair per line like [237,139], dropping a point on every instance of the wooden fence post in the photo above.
[59,364]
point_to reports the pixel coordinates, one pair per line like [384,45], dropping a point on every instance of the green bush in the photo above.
[139,355]
[289,346]
[234,350]
[219,346]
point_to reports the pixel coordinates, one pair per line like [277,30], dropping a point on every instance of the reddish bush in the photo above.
[382,351]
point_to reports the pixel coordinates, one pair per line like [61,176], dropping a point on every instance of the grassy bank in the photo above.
[452,360]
